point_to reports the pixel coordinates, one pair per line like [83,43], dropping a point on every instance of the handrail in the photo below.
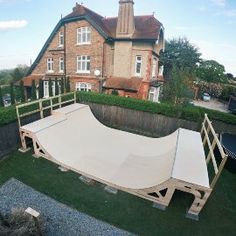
[208,129]
[41,108]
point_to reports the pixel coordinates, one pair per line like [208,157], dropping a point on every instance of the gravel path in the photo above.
[58,218]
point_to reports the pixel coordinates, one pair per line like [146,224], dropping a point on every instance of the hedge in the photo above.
[191,113]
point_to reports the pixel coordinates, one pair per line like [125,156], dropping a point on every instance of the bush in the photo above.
[7,115]
[190,113]
[227,92]
[18,223]
[214,89]
[187,112]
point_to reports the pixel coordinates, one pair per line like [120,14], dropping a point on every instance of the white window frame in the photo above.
[154,67]
[50,65]
[61,39]
[45,88]
[84,35]
[138,62]
[82,86]
[83,64]
[61,65]
[154,94]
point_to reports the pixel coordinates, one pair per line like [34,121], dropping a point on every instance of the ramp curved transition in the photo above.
[74,137]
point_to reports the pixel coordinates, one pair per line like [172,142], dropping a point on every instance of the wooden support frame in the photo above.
[206,131]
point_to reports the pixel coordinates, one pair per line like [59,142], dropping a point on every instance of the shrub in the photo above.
[214,89]
[190,113]
[1,98]
[7,115]
[18,223]
[12,92]
[227,92]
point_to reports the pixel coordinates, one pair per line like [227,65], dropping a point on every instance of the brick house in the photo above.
[103,54]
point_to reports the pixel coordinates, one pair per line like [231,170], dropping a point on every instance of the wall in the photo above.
[153,125]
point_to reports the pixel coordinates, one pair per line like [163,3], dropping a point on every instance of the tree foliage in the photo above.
[179,53]
[19,72]
[211,71]
[50,88]
[40,88]
[33,90]
[68,85]
[1,98]
[12,93]
[177,91]
[22,91]
[56,87]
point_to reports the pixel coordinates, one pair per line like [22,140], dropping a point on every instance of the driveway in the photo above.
[213,104]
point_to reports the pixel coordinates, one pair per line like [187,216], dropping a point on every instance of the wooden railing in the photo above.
[44,104]
[210,138]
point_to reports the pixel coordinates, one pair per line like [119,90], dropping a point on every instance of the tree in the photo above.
[19,72]
[56,87]
[68,85]
[40,89]
[33,90]
[62,85]
[177,90]
[12,93]
[22,91]
[50,88]
[230,76]
[211,71]
[1,98]
[179,54]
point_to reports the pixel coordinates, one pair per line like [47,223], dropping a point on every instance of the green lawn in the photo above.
[123,210]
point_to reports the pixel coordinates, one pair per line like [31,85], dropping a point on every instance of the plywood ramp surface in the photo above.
[131,161]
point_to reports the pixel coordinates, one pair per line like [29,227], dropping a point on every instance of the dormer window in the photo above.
[61,39]
[83,35]
[50,65]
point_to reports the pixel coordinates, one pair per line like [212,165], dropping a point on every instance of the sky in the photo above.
[210,25]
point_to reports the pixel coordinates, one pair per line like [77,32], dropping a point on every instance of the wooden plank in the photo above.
[211,152]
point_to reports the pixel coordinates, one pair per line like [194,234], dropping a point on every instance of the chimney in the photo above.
[125,25]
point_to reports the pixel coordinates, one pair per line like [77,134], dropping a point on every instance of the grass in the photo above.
[124,210]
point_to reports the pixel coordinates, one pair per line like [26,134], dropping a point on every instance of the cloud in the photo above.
[220,3]
[13,1]
[12,24]
[182,28]
[221,52]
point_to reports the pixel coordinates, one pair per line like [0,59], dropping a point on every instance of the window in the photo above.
[83,87]
[50,64]
[61,64]
[83,64]
[154,67]
[138,65]
[46,89]
[154,94]
[61,39]
[84,35]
